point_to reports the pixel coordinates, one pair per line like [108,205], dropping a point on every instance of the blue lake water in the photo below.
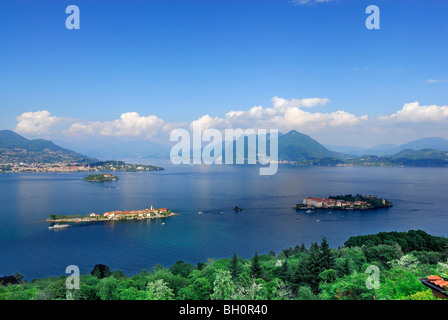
[267,222]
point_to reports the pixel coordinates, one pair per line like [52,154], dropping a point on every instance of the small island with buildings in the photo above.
[114,216]
[344,202]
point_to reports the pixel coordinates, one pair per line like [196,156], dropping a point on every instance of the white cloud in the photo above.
[414,112]
[130,124]
[412,121]
[435,80]
[36,123]
[283,115]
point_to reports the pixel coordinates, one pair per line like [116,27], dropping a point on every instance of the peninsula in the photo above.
[347,202]
[114,216]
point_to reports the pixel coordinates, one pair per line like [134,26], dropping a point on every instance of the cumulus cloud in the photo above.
[414,112]
[304,115]
[283,115]
[36,123]
[130,124]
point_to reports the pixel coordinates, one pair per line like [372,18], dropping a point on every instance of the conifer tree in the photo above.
[326,256]
[255,268]
[235,268]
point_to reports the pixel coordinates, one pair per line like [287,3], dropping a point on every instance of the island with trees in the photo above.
[100,177]
[344,202]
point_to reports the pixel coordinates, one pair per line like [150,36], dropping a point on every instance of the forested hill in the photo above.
[413,240]
[15,148]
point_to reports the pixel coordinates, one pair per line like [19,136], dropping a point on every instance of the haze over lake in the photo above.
[266,223]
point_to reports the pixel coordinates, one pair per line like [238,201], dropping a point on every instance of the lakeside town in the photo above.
[347,202]
[62,167]
[115,215]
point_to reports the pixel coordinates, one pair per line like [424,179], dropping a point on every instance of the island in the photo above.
[114,216]
[100,177]
[344,202]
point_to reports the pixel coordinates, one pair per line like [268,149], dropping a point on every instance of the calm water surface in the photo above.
[267,222]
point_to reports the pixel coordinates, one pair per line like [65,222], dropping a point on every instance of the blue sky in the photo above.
[182,60]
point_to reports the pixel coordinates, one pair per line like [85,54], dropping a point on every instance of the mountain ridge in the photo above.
[14,147]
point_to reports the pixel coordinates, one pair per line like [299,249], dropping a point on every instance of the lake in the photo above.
[266,223]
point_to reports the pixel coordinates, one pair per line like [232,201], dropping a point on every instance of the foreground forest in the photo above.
[299,273]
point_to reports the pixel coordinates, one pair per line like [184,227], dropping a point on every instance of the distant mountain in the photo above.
[435,143]
[292,146]
[295,146]
[15,148]
[420,154]
[427,143]
[408,158]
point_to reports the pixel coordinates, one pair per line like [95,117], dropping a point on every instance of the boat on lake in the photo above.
[59,226]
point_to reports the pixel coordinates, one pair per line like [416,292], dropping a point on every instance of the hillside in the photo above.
[15,148]
[408,158]
[294,146]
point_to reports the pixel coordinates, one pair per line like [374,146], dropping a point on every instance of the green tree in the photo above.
[108,289]
[255,268]
[223,286]
[326,256]
[131,293]
[284,271]
[159,290]
[328,275]
[305,293]
[101,271]
[199,290]
[182,268]
[351,287]
[57,289]
[235,268]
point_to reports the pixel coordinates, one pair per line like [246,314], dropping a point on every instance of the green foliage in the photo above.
[101,271]
[255,268]
[235,268]
[319,272]
[305,293]
[182,268]
[223,286]
[159,290]
[422,295]
[409,241]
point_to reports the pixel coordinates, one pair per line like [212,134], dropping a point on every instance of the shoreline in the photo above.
[101,219]
[342,209]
